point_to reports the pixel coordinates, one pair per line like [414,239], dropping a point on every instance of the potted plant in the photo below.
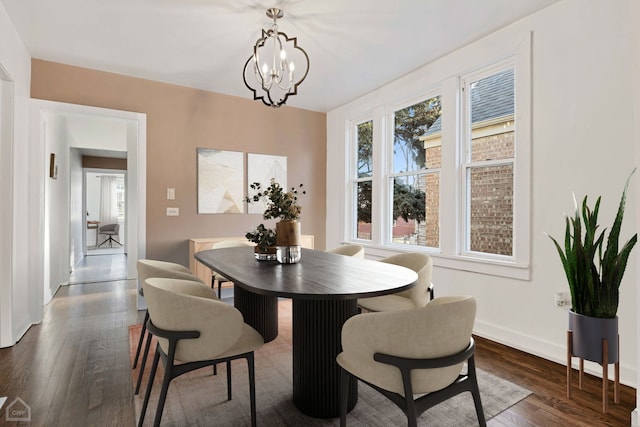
[265,240]
[594,267]
[282,205]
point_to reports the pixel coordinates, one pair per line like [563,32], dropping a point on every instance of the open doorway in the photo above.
[105,202]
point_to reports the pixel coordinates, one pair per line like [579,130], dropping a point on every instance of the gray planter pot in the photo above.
[587,335]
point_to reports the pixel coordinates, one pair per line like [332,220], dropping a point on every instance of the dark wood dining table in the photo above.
[324,288]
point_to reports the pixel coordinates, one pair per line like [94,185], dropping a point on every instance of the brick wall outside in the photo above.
[491,197]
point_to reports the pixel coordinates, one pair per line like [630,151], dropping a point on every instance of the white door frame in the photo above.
[136,183]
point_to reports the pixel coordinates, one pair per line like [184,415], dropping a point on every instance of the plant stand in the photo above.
[605,372]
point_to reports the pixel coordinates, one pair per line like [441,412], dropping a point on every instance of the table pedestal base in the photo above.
[259,311]
[317,328]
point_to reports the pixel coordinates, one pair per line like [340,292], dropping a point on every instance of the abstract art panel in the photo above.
[220,181]
[262,168]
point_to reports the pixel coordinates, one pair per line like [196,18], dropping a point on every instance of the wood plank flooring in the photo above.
[74,369]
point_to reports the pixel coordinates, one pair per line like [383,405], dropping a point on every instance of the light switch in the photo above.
[173,211]
[171,193]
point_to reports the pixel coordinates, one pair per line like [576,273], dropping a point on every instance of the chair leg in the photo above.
[166,379]
[219,290]
[143,363]
[410,405]
[228,379]
[252,386]
[344,392]
[154,367]
[475,391]
[144,329]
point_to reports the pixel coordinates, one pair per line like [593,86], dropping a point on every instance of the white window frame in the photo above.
[465,164]
[389,175]
[448,85]
[352,223]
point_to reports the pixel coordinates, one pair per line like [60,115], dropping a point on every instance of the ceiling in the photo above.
[354,46]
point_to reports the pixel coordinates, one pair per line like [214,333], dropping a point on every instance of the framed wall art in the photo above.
[220,181]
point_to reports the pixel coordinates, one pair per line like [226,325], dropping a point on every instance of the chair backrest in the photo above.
[230,244]
[356,251]
[115,228]
[148,268]
[441,328]
[421,264]
[183,305]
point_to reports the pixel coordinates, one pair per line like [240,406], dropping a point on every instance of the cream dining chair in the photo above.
[416,297]
[217,277]
[406,353]
[356,251]
[146,269]
[195,329]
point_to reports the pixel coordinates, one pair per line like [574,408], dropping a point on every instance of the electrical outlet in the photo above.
[562,299]
[173,211]
[171,193]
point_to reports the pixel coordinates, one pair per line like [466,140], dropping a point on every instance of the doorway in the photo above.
[105,205]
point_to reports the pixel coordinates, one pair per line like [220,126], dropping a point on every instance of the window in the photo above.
[414,179]
[363,181]
[488,162]
[443,167]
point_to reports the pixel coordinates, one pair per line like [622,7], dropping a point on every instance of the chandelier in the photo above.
[273,67]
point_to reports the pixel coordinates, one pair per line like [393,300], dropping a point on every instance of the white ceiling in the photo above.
[354,46]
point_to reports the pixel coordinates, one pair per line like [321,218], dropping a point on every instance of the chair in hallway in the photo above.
[148,268]
[408,353]
[109,230]
[195,329]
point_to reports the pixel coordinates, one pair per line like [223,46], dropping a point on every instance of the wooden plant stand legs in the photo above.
[605,373]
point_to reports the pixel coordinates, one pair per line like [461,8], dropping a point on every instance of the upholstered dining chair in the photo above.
[406,353]
[416,297]
[148,268]
[356,251]
[195,329]
[217,277]
[111,231]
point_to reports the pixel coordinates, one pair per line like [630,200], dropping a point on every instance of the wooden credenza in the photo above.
[203,244]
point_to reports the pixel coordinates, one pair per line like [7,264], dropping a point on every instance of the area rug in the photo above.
[200,398]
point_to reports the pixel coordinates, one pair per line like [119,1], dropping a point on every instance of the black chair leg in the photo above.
[344,392]
[228,379]
[144,329]
[154,367]
[252,386]
[166,379]
[475,391]
[219,290]
[143,363]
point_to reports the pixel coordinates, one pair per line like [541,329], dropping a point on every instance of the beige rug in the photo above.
[200,399]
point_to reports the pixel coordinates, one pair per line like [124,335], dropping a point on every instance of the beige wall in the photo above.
[181,119]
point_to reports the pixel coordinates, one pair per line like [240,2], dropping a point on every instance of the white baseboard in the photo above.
[635,421]
[547,350]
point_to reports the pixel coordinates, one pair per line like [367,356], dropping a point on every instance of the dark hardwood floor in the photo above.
[74,369]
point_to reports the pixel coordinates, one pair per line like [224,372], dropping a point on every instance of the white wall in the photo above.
[15,310]
[56,207]
[582,140]
[76,211]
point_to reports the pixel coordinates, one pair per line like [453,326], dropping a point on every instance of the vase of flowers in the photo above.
[282,205]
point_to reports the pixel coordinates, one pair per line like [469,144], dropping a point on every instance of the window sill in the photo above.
[472,264]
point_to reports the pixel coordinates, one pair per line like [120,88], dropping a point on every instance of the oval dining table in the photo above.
[324,288]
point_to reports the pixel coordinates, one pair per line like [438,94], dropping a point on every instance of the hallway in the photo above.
[100,268]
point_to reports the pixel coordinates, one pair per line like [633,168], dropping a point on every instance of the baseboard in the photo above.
[635,421]
[547,350]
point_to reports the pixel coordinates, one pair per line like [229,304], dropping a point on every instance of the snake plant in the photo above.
[593,265]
